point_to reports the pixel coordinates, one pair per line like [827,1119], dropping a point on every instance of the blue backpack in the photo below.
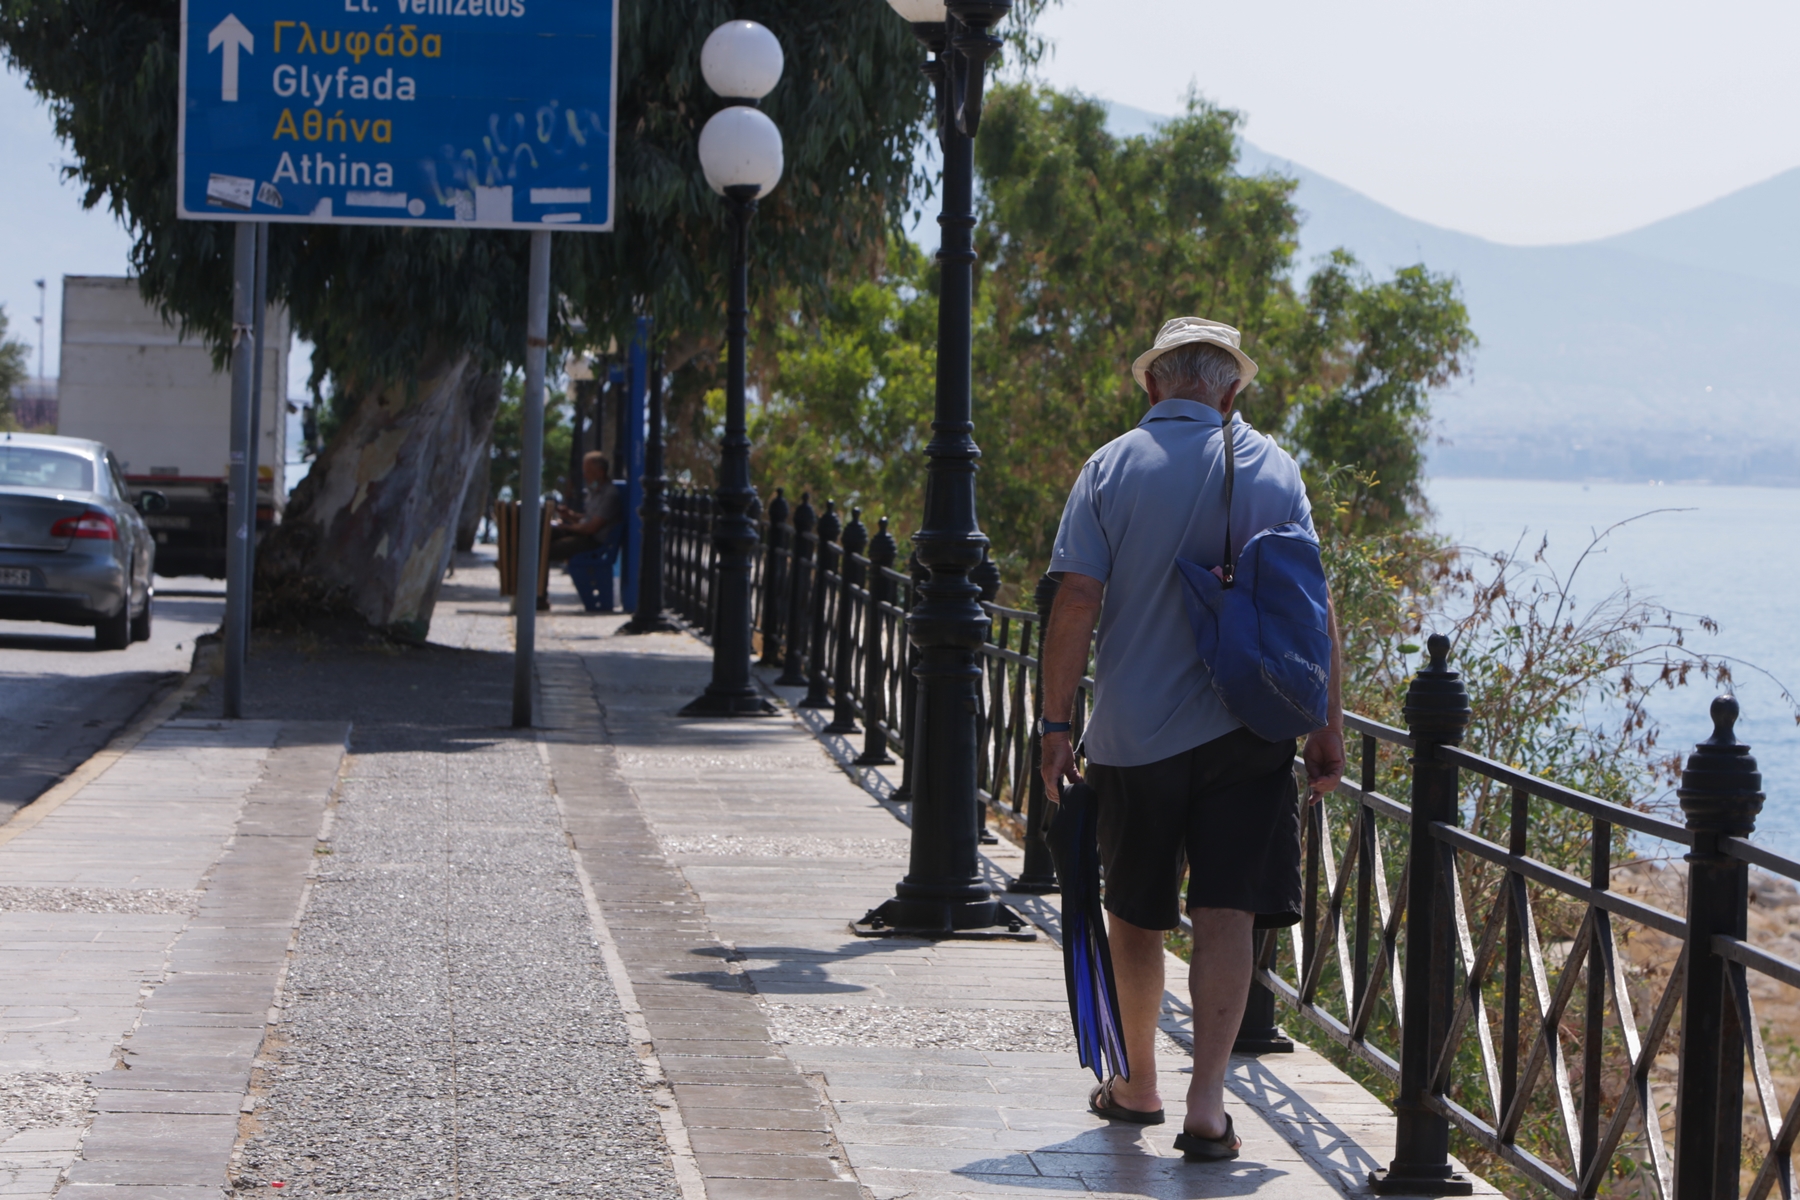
[1263,630]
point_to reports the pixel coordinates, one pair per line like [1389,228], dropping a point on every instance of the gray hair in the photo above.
[1199,371]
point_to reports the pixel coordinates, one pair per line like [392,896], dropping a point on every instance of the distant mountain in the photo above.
[1671,352]
[1750,232]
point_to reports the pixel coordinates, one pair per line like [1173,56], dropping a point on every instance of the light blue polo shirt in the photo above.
[1142,501]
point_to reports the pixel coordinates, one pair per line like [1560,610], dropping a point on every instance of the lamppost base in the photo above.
[1263,1041]
[1433,1182]
[660,623]
[974,920]
[729,704]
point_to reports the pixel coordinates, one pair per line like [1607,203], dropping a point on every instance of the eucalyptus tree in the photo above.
[413,327]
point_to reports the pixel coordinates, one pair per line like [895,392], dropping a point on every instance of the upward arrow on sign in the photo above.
[231,34]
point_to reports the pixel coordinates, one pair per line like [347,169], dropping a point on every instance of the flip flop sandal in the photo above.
[1100,1102]
[1195,1148]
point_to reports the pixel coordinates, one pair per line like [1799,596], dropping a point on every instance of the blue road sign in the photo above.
[492,114]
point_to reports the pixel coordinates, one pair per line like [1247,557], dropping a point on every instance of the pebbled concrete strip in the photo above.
[448,1026]
[168,1115]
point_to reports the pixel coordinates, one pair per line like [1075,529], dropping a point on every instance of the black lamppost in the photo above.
[943,892]
[740,151]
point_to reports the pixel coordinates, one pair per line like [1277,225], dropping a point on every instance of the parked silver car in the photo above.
[73,549]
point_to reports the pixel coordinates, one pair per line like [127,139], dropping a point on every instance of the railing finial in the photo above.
[1438,647]
[1437,704]
[1724,716]
[1721,788]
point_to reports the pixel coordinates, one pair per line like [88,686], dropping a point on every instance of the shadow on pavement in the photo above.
[69,718]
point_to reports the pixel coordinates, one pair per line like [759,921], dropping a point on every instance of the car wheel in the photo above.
[114,632]
[140,624]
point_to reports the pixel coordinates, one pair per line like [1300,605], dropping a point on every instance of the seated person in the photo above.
[598,523]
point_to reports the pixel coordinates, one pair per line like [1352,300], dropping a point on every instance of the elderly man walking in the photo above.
[1180,781]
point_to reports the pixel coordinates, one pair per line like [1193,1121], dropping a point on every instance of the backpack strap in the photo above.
[1228,568]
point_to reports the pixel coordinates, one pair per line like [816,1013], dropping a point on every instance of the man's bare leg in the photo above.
[1219,976]
[1137,955]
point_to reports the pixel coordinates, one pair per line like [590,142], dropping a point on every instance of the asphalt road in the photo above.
[61,699]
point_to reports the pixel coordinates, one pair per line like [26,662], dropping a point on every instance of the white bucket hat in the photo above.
[1184,331]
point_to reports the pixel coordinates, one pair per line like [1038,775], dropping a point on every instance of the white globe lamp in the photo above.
[741,147]
[741,60]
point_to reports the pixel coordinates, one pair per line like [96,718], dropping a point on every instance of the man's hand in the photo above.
[1058,764]
[1324,755]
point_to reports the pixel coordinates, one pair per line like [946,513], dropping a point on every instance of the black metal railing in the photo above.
[1536,1049]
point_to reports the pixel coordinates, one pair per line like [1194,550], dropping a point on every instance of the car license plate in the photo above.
[169,522]
[15,576]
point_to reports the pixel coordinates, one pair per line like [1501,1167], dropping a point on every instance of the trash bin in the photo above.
[506,527]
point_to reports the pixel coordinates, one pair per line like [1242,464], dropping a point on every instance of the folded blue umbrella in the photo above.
[1074,840]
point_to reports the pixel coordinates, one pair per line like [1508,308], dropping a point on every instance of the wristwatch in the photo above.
[1046,725]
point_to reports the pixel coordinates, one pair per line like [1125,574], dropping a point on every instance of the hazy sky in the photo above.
[1530,122]
[1526,122]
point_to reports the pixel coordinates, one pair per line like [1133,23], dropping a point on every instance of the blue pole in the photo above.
[633,451]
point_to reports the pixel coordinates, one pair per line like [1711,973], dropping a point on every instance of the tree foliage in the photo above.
[1087,243]
[850,395]
[509,441]
[13,369]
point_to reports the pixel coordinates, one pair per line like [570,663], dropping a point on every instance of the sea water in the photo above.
[1729,553]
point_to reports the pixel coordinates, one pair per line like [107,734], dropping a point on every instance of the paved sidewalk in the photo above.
[608,957]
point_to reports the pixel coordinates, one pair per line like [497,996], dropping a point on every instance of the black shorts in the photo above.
[1228,809]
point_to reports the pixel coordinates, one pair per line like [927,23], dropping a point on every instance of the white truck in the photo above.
[131,381]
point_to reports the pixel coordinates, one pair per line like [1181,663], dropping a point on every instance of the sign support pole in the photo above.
[531,475]
[240,509]
[254,454]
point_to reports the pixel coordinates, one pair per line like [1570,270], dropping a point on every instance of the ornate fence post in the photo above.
[1721,793]
[677,561]
[1258,1032]
[793,671]
[850,579]
[688,522]
[1437,714]
[1038,875]
[829,530]
[705,617]
[909,686]
[985,576]
[882,552]
[650,617]
[774,595]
